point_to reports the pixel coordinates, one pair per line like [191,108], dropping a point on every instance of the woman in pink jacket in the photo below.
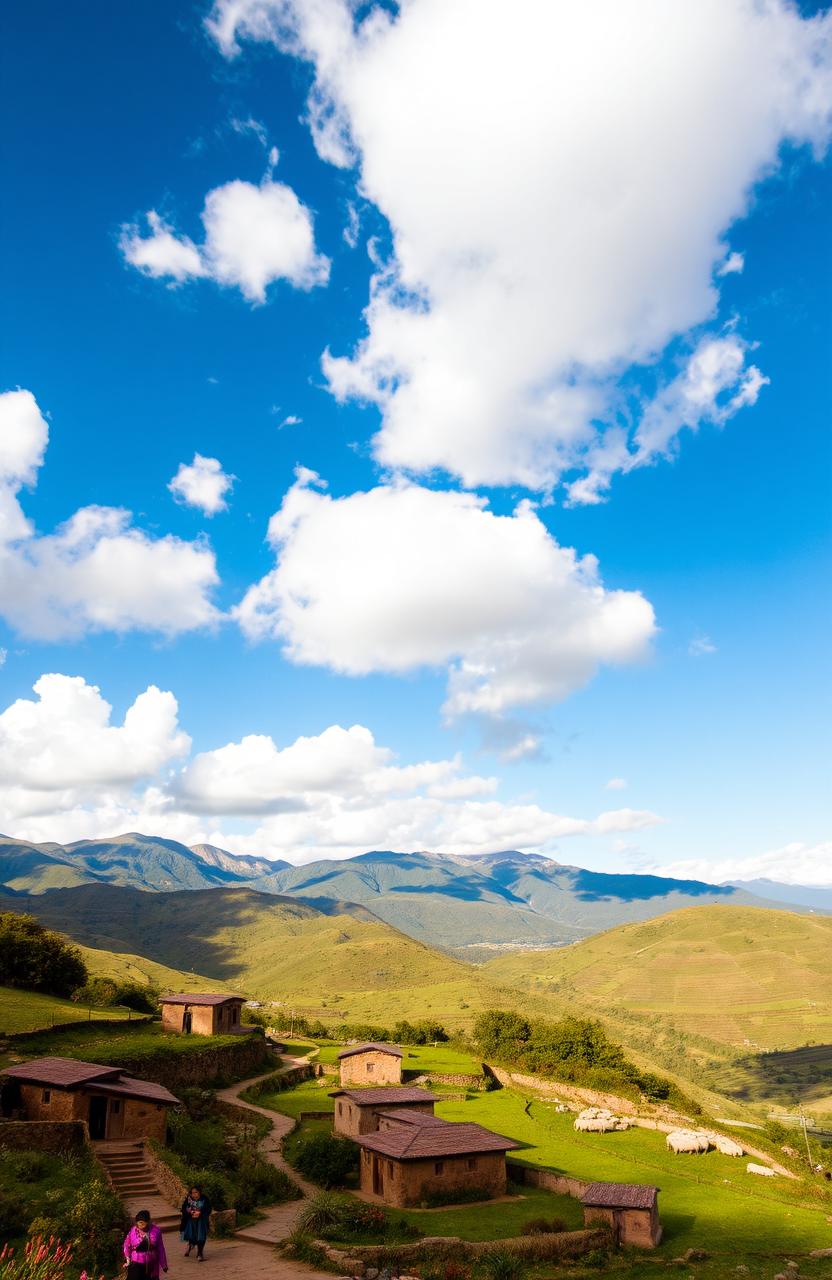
[144,1249]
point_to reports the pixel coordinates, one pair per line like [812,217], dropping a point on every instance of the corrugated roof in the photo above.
[619,1195]
[147,1090]
[398,1095]
[366,1048]
[62,1072]
[199,998]
[429,1142]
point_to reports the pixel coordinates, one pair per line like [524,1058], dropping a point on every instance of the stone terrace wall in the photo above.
[56,1137]
[561,1244]
[200,1064]
[463,1079]
[525,1176]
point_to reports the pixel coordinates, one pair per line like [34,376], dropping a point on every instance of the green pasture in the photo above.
[30,1011]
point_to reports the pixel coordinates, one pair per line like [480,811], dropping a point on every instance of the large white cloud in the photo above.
[65,739]
[68,772]
[254,235]
[403,577]
[560,180]
[96,572]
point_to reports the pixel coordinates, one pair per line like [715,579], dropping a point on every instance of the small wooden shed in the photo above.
[202,1014]
[357,1110]
[113,1105]
[371,1064]
[630,1209]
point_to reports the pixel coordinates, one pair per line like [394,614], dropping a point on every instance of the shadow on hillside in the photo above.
[595,886]
[785,1077]
[173,929]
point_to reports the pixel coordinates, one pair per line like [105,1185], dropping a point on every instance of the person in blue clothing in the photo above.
[196,1217]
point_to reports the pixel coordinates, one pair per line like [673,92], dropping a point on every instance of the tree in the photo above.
[501,1033]
[37,959]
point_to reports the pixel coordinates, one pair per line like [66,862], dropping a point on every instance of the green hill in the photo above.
[739,976]
[31,1011]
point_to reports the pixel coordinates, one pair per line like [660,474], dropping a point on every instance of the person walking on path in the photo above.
[196,1215]
[144,1249]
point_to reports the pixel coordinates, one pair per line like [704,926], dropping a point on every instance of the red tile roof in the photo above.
[64,1073]
[429,1142]
[398,1095]
[197,998]
[392,1049]
[619,1195]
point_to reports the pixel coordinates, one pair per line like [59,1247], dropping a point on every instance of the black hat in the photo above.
[143,1216]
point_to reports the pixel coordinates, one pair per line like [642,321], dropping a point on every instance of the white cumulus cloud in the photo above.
[552,227]
[403,577]
[795,863]
[96,571]
[203,484]
[254,235]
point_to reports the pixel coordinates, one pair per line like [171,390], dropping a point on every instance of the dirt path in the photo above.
[279,1221]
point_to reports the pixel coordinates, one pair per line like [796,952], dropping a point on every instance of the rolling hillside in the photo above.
[741,977]
[271,947]
[475,907]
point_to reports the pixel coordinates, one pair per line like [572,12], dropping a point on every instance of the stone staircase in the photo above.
[135,1182]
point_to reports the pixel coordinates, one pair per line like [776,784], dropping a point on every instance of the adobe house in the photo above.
[202,1015]
[112,1103]
[371,1064]
[414,1156]
[357,1110]
[631,1210]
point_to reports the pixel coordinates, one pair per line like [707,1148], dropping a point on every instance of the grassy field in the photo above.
[29,1011]
[310,1095]
[707,1202]
[424,1057]
[107,1045]
[740,976]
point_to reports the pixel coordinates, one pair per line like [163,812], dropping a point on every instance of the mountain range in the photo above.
[475,907]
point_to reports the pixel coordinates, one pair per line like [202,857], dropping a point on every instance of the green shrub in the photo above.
[302,1248]
[37,959]
[94,1224]
[327,1160]
[13,1216]
[457,1195]
[542,1226]
[323,1214]
[260,1182]
[501,1264]
[27,1166]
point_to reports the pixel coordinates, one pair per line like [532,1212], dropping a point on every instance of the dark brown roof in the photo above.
[430,1142]
[412,1117]
[619,1195]
[148,1090]
[398,1095]
[367,1048]
[64,1073]
[197,998]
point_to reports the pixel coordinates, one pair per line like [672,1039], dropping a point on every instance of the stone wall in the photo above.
[561,1244]
[525,1176]
[44,1102]
[201,1064]
[56,1137]
[174,1190]
[463,1079]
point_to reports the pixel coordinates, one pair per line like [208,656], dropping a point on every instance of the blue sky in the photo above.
[526,313]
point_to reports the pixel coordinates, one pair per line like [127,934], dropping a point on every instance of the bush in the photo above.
[262,1183]
[323,1214]
[13,1216]
[303,1249]
[542,1226]
[459,1195]
[37,959]
[327,1160]
[501,1264]
[94,1224]
[27,1166]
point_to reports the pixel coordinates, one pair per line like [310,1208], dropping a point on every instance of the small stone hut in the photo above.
[113,1104]
[357,1110]
[632,1211]
[371,1064]
[203,1014]
[414,1156]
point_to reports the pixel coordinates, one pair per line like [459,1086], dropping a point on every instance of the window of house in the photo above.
[470,1164]
[46,1096]
[439,1167]
[115,1106]
[369,1066]
[340,1109]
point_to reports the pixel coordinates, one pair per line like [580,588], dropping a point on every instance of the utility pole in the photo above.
[805,1134]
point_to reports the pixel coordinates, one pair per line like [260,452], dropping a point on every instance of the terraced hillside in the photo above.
[743,977]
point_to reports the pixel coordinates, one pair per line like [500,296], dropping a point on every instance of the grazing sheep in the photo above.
[761,1169]
[727,1146]
[600,1120]
[688,1141]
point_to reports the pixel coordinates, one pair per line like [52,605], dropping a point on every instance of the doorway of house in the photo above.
[98,1118]
[377,1180]
[187,1022]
